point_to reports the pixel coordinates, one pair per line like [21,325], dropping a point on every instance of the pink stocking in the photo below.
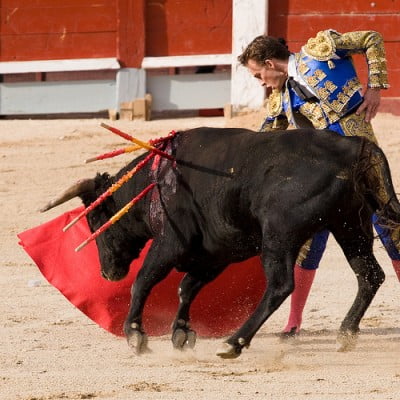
[396,266]
[303,279]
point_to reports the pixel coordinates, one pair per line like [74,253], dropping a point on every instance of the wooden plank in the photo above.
[140,109]
[130,37]
[186,61]
[53,3]
[88,64]
[302,27]
[57,97]
[48,20]
[204,27]
[126,111]
[334,7]
[47,47]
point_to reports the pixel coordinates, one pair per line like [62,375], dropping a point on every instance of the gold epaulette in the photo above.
[322,47]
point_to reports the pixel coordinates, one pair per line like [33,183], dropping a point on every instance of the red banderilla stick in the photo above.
[114,153]
[116,217]
[110,190]
[129,149]
[138,142]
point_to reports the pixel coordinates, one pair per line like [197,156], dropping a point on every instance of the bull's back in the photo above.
[235,173]
[212,153]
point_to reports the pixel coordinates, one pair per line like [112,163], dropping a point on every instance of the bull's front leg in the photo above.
[280,280]
[153,271]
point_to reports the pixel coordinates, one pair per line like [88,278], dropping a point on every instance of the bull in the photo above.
[232,194]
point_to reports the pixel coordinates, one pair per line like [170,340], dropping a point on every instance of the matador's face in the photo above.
[270,74]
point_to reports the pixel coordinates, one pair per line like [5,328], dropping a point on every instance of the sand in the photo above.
[50,350]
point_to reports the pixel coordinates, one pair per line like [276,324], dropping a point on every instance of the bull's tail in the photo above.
[373,173]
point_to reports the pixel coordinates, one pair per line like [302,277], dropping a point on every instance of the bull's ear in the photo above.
[78,188]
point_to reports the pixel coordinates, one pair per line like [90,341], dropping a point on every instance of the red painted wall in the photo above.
[299,20]
[49,29]
[130,39]
[126,29]
[132,29]
[185,27]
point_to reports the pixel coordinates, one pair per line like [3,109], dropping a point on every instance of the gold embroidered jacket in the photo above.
[326,66]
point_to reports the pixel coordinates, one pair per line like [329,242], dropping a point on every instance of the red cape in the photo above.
[219,309]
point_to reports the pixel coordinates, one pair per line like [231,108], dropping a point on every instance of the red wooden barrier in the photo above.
[174,28]
[299,20]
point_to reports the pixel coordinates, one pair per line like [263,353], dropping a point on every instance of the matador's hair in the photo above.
[263,48]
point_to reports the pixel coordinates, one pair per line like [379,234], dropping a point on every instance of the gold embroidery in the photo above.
[343,98]
[330,114]
[323,93]
[347,90]
[370,43]
[337,106]
[395,235]
[314,113]
[330,86]
[320,74]
[376,162]
[374,68]
[312,80]
[354,85]
[322,47]
[355,125]
[375,81]
[289,114]
[274,105]
[374,54]
[331,64]
[303,67]
[305,249]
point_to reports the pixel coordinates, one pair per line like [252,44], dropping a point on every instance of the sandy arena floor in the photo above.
[49,350]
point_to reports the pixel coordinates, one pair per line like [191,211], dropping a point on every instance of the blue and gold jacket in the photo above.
[326,66]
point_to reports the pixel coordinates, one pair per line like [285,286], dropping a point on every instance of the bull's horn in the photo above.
[84,185]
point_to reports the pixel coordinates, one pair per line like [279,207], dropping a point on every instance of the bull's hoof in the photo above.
[138,340]
[229,351]
[182,339]
[346,341]
[191,339]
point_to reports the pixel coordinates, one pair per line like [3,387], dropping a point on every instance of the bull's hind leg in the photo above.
[356,243]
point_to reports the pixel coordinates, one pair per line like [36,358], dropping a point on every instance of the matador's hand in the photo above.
[372,99]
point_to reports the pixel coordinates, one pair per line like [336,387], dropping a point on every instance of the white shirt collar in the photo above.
[292,72]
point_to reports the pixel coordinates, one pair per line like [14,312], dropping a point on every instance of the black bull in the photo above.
[233,194]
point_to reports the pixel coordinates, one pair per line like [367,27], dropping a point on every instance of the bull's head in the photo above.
[122,242]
